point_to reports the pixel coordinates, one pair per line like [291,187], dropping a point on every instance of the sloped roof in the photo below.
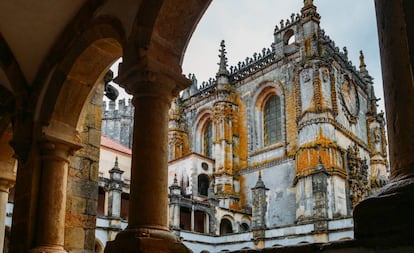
[111,144]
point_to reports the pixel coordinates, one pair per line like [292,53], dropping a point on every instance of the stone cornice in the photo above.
[265,165]
[337,126]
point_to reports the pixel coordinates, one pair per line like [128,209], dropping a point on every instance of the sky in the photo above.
[247,27]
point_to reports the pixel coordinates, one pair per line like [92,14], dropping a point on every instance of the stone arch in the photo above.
[288,36]
[7,231]
[75,77]
[226,225]
[99,247]
[265,91]
[245,223]
[73,88]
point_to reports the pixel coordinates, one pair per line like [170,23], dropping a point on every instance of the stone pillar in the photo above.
[207,224]
[50,230]
[115,191]
[153,87]
[192,218]
[5,185]
[387,218]
[175,195]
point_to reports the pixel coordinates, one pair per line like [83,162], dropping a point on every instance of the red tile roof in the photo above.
[111,144]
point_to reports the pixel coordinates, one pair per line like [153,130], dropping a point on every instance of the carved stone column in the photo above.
[50,228]
[387,219]
[153,87]
[5,185]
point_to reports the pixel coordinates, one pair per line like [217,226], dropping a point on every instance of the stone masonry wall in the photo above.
[82,198]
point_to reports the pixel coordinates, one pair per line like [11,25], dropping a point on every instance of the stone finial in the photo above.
[116,162]
[361,60]
[175,181]
[116,166]
[307,2]
[116,172]
[345,53]
[309,10]
[175,188]
[259,183]
[223,60]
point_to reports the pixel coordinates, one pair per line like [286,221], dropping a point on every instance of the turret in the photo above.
[177,135]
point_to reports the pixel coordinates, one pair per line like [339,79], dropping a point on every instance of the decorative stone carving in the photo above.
[357,176]
[306,77]
[349,99]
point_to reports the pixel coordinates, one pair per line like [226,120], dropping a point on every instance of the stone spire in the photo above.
[259,208]
[116,170]
[309,11]
[223,61]
[362,65]
[259,183]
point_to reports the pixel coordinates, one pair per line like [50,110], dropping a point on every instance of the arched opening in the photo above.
[203,184]
[226,227]
[289,37]
[6,239]
[244,227]
[99,248]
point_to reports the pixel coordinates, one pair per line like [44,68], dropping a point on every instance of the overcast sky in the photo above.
[247,26]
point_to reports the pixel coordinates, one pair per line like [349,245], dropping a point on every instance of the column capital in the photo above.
[6,184]
[52,148]
[149,77]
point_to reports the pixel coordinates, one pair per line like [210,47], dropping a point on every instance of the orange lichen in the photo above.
[320,151]
[242,150]
[291,125]
[241,193]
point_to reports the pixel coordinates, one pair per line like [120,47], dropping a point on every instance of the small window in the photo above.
[208,140]
[124,205]
[203,184]
[101,202]
[272,121]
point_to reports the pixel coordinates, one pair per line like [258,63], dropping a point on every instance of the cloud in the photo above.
[247,26]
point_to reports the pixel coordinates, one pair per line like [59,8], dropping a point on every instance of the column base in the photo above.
[49,249]
[146,240]
[387,219]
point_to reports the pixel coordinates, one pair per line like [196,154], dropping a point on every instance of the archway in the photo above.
[226,226]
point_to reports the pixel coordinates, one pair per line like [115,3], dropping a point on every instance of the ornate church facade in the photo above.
[290,138]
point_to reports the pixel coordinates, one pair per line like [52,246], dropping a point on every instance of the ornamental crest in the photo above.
[349,99]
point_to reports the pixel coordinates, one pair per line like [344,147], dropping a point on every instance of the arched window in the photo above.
[244,227]
[208,139]
[203,184]
[272,121]
[225,227]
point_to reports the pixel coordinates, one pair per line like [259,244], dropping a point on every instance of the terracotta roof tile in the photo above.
[111,144]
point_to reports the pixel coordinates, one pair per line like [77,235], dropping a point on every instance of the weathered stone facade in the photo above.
[299,113]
